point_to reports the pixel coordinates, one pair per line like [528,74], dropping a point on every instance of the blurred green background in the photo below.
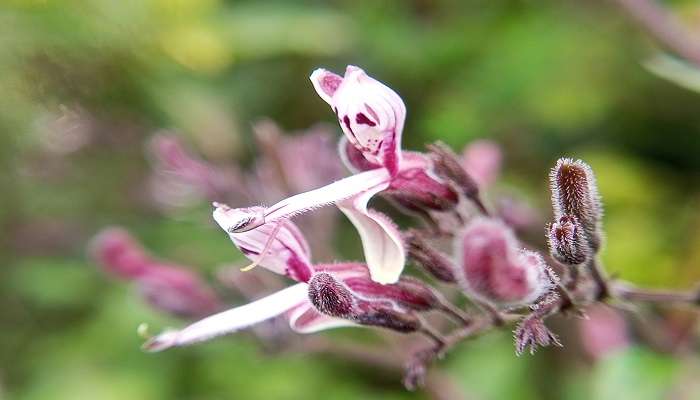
[542,78]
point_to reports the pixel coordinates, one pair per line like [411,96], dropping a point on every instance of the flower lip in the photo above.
[238,220]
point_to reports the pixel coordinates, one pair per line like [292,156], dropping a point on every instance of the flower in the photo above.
[281,248]
[164,285]
[493,269]
[370,113]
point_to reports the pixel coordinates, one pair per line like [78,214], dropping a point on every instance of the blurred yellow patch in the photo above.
[198,48]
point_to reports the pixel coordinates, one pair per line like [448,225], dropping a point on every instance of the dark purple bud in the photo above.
[447,165]
[567,241]
[532,333]
[575,193]
[388,318]
[331,297]
[433,261]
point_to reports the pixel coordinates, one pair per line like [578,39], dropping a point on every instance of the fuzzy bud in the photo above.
[433,262]
[493,269]
[448,166]
[532,332]
[567,241]
[575,193]
[332,297]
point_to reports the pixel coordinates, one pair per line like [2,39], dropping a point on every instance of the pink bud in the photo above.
[532,332]
[603,332]
[447,165]
[493,269]
[370,113]
[482,161]
[408,293]
[567,241]
[575,193]
[173,159]
[119,253]
[433,262]
[167,287]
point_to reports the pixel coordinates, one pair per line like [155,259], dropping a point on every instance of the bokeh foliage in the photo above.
[543,79]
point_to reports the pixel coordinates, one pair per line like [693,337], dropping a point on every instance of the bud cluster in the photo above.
[575,194]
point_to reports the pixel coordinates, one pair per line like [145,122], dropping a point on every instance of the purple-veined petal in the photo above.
[329,194]
[381,240]
[305,319]
[231,320]
[370,113]
[325,83]
[287,254]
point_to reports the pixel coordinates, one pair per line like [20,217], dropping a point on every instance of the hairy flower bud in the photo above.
[331,297]
[370,113]
[447,165]
[334,297]
[567,241]
[433,262]
[575,193]
[493,269]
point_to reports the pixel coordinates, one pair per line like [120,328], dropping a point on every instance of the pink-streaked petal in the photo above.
[232,320]
[344,270]
[305,319]
[374,181]
[288,253]
[325,83]
[352,158]
[381,240]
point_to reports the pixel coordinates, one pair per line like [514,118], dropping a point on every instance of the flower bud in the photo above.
[493,269]
[165,286]
[532,332]
[575,193]
[433,262]
[408,293]
[370,113]
[447,165]
[567,241]
[332,297]
[172,159]
[482,161]
[414,187]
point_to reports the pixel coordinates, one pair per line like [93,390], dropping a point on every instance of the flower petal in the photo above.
[325,83]
[381,240]
[288,253]
[374,181]
[305,319]
[231,320]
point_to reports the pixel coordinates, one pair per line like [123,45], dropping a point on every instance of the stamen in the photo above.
[268,244]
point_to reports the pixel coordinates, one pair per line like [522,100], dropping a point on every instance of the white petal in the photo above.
[381,240]
[329,194]
[232,320]
[325,83]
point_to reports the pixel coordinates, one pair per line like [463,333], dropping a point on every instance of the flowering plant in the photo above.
[505,279]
